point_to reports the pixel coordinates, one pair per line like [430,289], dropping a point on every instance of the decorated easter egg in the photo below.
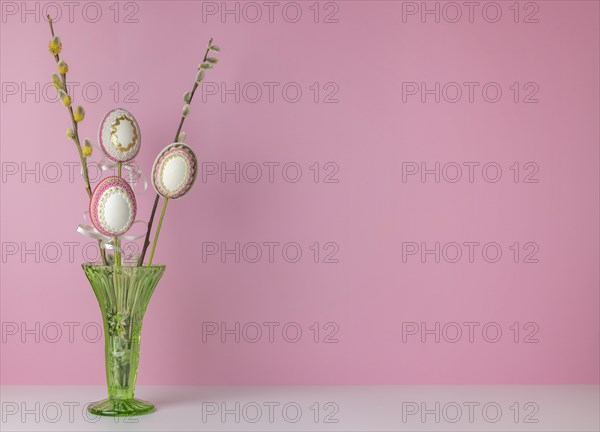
[174,170]
[112,206]
[119,136]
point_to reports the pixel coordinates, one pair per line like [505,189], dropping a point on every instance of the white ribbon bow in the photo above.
[107,242]
[135,174]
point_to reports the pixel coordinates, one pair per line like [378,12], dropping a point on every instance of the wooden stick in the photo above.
[162,216]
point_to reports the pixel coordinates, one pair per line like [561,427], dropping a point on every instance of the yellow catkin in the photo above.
[79,113]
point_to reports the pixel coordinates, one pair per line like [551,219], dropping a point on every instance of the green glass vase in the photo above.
[123,293]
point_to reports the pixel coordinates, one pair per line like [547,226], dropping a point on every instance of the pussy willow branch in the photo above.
[154,207]
[82,158]
[196,83]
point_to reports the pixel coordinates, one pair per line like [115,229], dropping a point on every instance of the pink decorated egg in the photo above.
[174,171]
[112,206]
[119,136]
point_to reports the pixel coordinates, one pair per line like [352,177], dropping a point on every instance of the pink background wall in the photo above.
[373,213]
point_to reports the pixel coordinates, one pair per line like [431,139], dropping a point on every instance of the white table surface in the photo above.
[311,408]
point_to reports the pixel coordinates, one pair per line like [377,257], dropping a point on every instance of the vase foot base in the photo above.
[120,407]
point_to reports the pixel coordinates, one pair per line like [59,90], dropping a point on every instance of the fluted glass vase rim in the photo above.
[109,267]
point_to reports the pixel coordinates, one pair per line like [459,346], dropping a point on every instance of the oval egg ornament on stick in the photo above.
[120,136]
[174,171]
[113,206]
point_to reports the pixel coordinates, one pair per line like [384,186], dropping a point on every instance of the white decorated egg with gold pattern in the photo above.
[119,136]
